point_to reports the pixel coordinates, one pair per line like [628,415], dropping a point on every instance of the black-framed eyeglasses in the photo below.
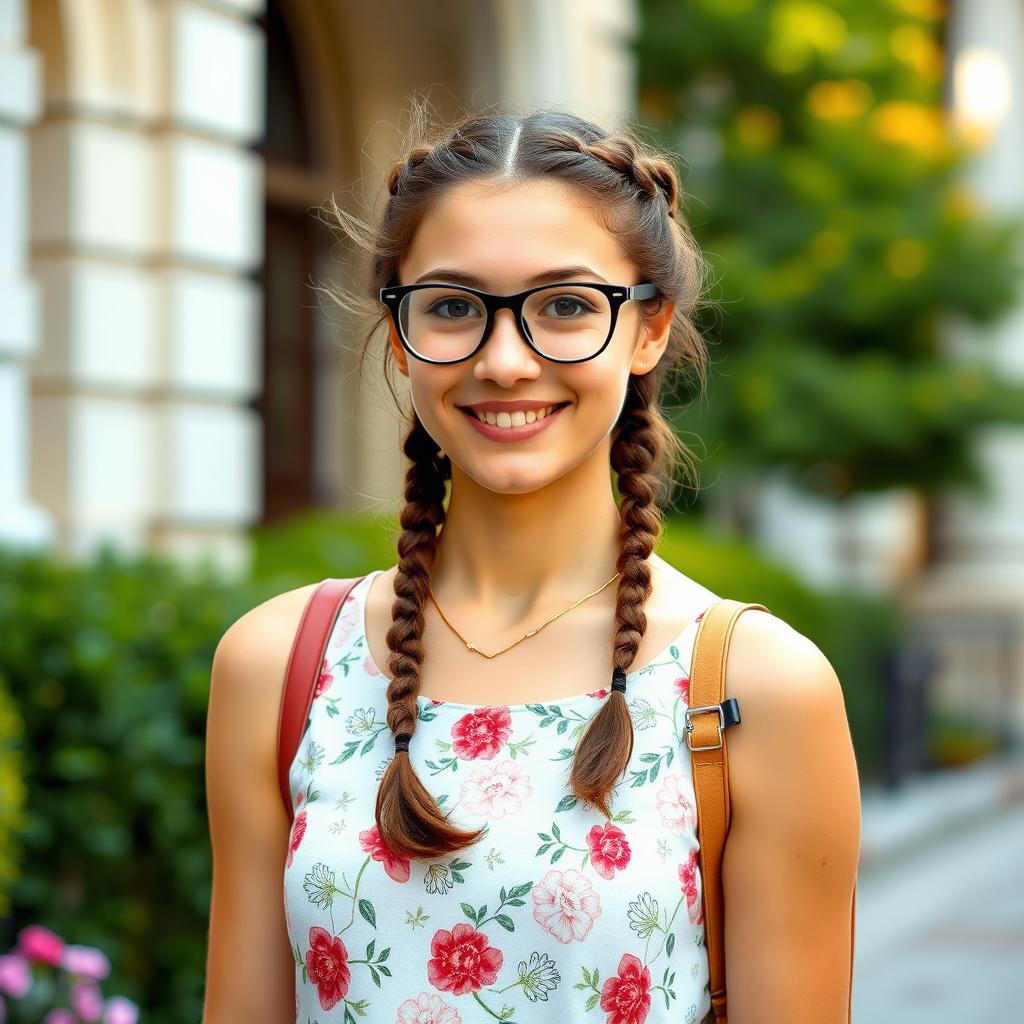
[568,322]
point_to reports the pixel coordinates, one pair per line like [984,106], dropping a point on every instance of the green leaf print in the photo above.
[367,912]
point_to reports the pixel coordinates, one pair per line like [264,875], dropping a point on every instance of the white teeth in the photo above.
[515,419]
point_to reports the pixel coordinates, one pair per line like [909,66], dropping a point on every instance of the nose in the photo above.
[506,353]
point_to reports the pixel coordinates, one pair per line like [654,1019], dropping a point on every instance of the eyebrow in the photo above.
[450,275]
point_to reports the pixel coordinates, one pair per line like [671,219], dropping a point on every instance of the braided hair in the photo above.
[636,193]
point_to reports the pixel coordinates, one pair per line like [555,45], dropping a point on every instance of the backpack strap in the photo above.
[707,718]
[304,666]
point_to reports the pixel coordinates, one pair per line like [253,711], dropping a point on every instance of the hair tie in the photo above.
[402,742]
[619,679]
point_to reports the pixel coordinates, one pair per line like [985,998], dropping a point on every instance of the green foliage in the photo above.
[826,188]
[109,666]
[12,792]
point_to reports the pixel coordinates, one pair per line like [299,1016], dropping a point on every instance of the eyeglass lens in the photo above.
[565,322]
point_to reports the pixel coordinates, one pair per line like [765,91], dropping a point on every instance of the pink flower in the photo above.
[327,966]
[565,904]
[40,945]
[348,619]
[86,962]
[494,791]
[674,804]
[626,997]
[15,975]
[59,1015]
[599,693]
[427,1008]
[120,1010]
[370,666]
[396,866]
[609,849]
[481,733]
[298,831]
[682,687]
[325,680]
[690,885]
[462,960]
[87,1000]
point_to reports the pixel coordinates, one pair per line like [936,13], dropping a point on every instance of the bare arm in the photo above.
[250,970]
[791,856]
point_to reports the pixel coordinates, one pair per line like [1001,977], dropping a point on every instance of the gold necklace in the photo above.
[472,647]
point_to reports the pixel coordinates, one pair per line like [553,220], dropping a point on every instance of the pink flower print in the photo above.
[682,687]
[481,733]
[325,680]
[566,904]
[395,865]
[348,619]
[298,831]
[609,849]
[688,879]
[327,966]
[370,666]
[462,960]
[40,945]
[674,805]
[494,791]
[626,997]
[427,1008]
[598,694]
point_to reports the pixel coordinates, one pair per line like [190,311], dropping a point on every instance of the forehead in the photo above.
[505,234]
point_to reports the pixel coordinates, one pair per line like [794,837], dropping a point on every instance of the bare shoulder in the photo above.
[252,655]
[249,825]
[791,856]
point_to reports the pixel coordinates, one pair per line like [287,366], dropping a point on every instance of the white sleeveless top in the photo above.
[557,914]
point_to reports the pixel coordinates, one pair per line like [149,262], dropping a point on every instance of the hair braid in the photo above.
[408,817]
[606,746]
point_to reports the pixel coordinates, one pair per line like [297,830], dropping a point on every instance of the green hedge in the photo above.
[108,664]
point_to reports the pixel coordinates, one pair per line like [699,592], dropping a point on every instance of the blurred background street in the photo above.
[190,423]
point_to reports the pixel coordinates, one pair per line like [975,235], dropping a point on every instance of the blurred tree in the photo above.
[822,179]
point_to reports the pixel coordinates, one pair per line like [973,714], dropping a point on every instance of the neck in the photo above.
[508,558]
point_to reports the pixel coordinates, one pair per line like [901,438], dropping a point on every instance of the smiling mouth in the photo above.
[514,419]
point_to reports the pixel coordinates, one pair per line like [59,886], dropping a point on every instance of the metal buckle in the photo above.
[689,725]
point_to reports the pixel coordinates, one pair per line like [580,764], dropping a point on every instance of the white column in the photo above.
[22,523]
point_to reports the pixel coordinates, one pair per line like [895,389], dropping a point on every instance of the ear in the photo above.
[401,356]
[654,332]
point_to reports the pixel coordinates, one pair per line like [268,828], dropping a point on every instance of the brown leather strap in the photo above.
[711,777]
[711,787]
[304,663]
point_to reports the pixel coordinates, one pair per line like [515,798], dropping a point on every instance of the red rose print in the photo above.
[325,680]
[327,966]
[688,880]
[396,866]
[609,849]
[462,960]
[682,686]
[298,831]
[481,733]
[626,997]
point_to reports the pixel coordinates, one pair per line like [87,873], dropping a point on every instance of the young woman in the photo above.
[494,810]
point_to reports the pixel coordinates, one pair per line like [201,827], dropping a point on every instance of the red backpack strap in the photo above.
[304,664]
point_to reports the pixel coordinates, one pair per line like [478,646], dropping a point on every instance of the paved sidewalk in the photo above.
[927,808]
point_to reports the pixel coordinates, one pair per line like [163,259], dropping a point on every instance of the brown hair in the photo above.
[635,192]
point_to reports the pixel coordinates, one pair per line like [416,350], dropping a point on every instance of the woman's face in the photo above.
[504,237]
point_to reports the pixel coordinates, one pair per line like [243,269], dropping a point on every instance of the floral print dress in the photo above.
[557,914]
